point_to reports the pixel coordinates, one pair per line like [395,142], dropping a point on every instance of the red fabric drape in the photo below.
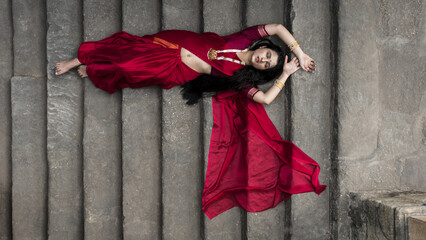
[124,60]
[250,165]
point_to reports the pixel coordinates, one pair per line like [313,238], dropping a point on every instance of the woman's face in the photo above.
[264,58]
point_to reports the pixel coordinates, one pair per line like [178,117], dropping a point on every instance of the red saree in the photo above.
[250,165]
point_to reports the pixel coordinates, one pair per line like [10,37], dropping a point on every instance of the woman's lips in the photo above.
[257,59]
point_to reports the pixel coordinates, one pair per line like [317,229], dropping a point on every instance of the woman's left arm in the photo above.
[306,63]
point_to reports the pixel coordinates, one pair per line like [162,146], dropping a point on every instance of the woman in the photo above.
[174,57]
[249,164]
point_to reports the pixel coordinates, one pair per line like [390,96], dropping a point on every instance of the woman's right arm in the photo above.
[270,95]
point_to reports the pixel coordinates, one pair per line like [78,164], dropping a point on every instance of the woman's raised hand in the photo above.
[307,63]
[292,66]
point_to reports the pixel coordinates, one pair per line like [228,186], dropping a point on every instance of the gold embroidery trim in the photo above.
[165,43]
[252,92]
[262,31]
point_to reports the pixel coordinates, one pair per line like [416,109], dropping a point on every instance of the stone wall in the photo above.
[381,99]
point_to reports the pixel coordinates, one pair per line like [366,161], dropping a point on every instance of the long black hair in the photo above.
[194,90]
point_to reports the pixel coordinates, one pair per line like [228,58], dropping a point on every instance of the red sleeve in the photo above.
[250,92]
[252,33]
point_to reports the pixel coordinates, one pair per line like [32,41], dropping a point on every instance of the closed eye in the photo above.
[268,55]
[267,65]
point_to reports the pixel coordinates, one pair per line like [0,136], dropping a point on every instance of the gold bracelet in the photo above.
[279,84]
[293,45]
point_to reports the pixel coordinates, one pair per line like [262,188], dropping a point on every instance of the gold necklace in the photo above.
[212,55]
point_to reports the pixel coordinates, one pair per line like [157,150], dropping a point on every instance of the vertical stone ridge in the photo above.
[161,96]
[243,13]
[201,133]
[121,197]
[10,225]
[10,114]
[334,178]
[12,26]
[202,164]
[288,21]
[10,12]
[244,225]
[120,138]
[161,167]
[6,72]
[83,123]
[44,51]
[82,182]
[201,20]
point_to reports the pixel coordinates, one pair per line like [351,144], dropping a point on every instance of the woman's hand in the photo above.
[307,63]
[292,66]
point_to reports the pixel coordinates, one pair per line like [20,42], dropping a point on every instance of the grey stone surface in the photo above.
[182,135]
[64,122]
[310,119]
[102,135]
[358,104]
[6,71]
[268,224]
[141,116]
[29,41]
[358,90]
[29,175]
[380,118]
[384,215]
[385,102]
[181,14]
[401,40]
[228,224]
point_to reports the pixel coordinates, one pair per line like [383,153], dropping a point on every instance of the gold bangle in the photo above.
[293,45]
[279,84]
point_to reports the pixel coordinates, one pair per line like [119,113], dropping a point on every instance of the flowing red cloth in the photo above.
[124,60]
[250,165]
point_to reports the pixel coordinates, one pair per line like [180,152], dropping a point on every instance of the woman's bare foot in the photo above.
[82,71]
[65,66]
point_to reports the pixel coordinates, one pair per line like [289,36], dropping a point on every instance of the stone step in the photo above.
[227,225]
[6,71]
[182,148]
[268,224]
[386,214]
[102,135]
[64,122]
[29,175]
[28,100]
[141,116]
[29,38]
[310,118]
